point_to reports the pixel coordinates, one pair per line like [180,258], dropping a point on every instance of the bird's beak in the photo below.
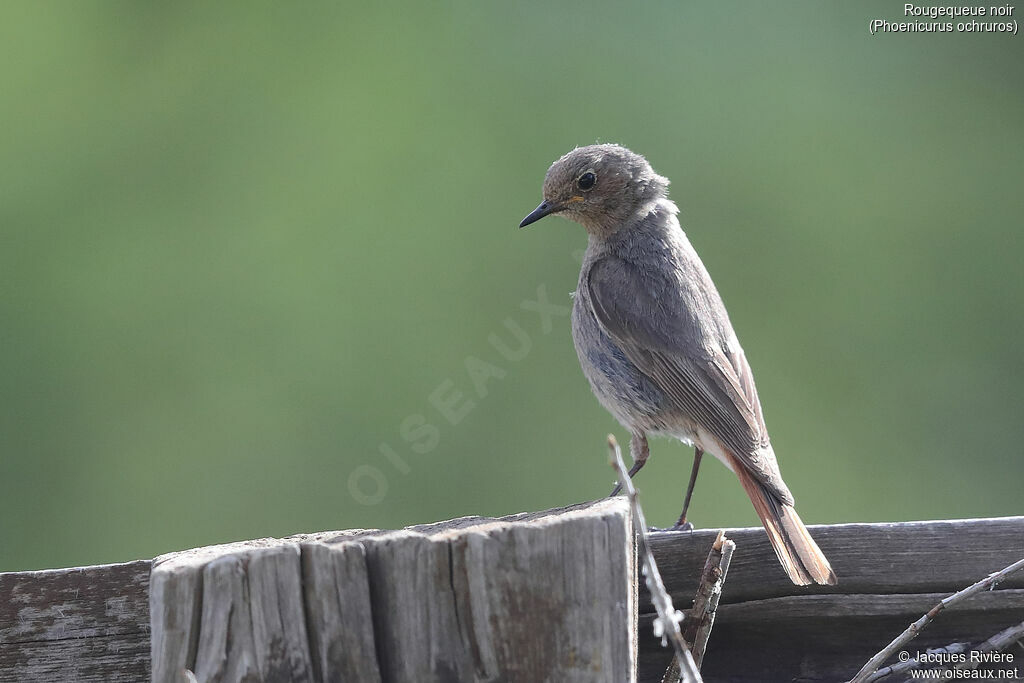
[544,209]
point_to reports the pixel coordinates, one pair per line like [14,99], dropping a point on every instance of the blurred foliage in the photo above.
[242,245]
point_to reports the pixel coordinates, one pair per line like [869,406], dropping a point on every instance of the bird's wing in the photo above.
[660,326]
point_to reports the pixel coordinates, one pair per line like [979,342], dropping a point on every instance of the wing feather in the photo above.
[657,325]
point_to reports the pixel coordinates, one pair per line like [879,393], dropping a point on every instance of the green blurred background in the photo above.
[243,244]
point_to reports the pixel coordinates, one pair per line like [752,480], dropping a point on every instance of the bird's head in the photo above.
[600,187]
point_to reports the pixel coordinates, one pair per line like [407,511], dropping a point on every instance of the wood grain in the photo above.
[87,624]
[530,598]
[91,624]
[828,637]
[336,587]
[907,557]
[889,574]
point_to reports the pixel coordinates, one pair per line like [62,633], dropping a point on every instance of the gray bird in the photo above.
[655,342]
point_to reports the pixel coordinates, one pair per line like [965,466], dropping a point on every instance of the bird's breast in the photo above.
[629,395]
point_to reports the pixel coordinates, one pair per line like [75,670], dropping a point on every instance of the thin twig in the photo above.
[1003,640]
[997,643]
[988,582]
[701,615]
[709,592]
[903,667]
[666,624]
[674,675]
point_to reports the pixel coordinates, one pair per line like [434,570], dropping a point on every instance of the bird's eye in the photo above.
[586,181]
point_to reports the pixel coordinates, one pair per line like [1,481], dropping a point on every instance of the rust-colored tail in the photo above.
[797,551]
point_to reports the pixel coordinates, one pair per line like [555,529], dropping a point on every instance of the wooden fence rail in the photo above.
[536,596]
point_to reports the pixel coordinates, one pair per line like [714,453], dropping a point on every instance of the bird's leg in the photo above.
[682,523]
[639,451]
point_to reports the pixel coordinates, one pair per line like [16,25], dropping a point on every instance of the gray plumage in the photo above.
[654,339]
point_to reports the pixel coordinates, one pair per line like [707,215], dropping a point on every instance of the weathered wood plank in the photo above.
[458,601]
[93,659]
[253,623]
[548,584]
[337,599]
[574,615]
[889,574]
[175,604]
[415,621]
[904,557]
[755,641]
[87,624]
[906,605]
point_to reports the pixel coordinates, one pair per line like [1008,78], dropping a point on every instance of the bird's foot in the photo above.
[685,526]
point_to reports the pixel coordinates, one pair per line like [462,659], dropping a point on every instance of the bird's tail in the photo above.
[797,551]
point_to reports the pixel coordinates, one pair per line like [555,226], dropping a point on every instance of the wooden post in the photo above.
[531,598]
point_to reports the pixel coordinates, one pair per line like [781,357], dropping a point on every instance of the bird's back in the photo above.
[657,346]
[679,302]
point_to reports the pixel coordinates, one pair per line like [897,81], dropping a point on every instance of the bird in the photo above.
[655,342]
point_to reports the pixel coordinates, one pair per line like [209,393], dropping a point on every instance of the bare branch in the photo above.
[702,615]
[666,625]
[1003,640]
[709,592]
[988,582]
[903,667]
[997,643]
[674,675]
